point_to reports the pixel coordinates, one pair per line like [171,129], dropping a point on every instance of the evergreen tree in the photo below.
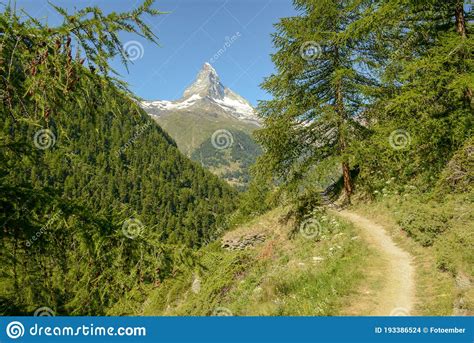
[96,202]
[316,91]
[421,112]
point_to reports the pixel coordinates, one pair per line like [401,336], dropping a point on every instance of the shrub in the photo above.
[424,223]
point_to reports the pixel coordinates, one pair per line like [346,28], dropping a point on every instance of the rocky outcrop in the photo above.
[243,242]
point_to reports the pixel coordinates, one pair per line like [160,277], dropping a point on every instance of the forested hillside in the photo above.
[117,161]
[371,111]
[96,199]
[233,163]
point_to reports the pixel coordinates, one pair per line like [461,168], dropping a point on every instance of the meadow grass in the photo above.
[299,276]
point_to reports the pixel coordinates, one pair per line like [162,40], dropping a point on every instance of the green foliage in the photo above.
[445,223]
[317,90]
[79,161]
[388,89]
[458,175]
[46,63]
[424,96]
[424,223]
[123,164]
[218,277]
[233,163]
[305,205]
[255,201]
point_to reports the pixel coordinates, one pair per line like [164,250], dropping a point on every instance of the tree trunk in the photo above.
[346,173]
[342,118]
[460,19]
[461,29]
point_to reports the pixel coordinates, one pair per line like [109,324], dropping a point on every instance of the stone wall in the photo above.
[243,242]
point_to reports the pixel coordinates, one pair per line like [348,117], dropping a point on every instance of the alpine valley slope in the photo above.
[212,125]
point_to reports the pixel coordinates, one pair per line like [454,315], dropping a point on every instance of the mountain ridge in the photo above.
[206,93]
[207,111]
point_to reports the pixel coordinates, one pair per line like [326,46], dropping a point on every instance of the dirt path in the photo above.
[395,292]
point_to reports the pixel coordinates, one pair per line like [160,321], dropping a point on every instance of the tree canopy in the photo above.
[96,201]
[382,87]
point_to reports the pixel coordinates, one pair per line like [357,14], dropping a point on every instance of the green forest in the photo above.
[238,158]
[371,110]
[95,197]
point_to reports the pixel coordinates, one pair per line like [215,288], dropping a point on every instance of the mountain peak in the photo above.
[206,95]
[208,66]
[206,84]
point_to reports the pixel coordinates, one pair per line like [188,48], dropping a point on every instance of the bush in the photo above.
[424,223]
[458,175]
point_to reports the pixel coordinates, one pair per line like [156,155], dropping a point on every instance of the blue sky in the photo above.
[193,33]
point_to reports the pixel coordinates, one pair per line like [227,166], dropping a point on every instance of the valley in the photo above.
[347,191]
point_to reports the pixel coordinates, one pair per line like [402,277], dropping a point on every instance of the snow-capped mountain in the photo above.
[207,113]
[209,94]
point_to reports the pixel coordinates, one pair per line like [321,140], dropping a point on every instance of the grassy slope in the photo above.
[190,130]
[193,130]
[282,276]
[334,275]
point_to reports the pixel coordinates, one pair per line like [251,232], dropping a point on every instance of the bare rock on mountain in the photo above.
[207,113]
[209,94]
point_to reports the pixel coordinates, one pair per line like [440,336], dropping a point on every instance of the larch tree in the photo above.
[85,214]
[422,111]
[317,101]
